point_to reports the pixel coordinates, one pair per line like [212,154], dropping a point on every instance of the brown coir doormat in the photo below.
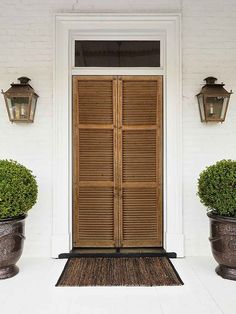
[120,271]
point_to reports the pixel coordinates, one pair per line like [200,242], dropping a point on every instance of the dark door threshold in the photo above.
[132,252]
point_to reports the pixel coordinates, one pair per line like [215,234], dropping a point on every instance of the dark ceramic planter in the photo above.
[223,244]
[11,245]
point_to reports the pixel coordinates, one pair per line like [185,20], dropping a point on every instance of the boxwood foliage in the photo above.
[18,189]
[217,188]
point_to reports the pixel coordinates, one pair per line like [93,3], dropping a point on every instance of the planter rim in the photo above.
[213,216]
[13,219]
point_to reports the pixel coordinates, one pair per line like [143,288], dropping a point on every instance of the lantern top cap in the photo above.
[24,83]
[213,89]
[24,80]
[210,80]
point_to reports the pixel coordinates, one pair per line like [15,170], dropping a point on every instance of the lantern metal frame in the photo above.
[214,90]
[21,90]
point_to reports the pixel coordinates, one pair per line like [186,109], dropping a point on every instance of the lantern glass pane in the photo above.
[33,107]
[214,107]
[21,108]
[10,108]
[201,107]
[224,107]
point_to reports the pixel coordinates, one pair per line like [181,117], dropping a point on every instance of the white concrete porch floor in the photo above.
[32,291]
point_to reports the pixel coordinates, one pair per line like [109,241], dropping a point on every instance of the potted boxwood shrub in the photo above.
[18,193]
[217,191]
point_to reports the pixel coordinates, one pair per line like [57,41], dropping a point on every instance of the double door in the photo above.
[117,161]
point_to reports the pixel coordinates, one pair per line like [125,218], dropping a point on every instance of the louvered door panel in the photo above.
[94,160]
[96,155]
[140,171]
[139,155]
[139,102]
[95,101]
[96,216]
[140,216]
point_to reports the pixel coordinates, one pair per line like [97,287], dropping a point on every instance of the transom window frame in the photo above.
[69,26]
[115,37]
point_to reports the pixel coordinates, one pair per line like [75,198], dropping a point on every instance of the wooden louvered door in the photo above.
[94,161]
[117,161]
[140,160]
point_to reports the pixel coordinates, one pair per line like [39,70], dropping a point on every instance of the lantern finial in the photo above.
[24,80]
[210,80]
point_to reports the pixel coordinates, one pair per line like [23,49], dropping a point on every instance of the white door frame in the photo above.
[167,28]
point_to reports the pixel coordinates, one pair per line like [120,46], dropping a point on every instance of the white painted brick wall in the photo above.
[209,48]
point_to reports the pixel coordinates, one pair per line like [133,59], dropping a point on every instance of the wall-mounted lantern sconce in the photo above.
[21,101]
[213,101]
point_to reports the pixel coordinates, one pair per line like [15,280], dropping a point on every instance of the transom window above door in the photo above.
[124,53]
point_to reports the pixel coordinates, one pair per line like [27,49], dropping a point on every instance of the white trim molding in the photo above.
[118,26]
